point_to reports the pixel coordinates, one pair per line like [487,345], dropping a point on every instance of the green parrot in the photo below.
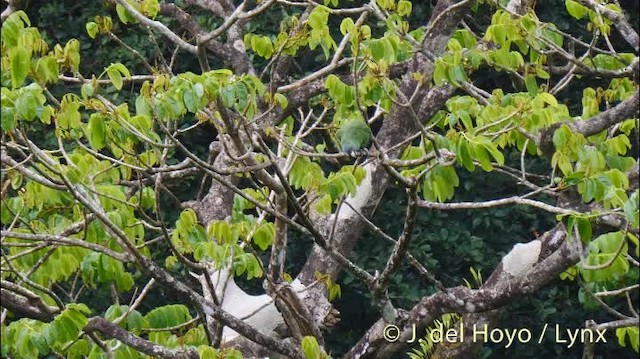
[355,136]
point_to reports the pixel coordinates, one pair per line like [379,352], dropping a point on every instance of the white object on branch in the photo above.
[259,311]
[522,257]
[362,196]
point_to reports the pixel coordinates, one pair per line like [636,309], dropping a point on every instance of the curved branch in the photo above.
[496,203]
[69,242]
[238,60]
[114,331]
[156,25]
[20,167]
[626,109]
[26,304]
[620,22]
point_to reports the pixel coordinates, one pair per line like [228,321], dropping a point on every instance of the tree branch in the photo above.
[27,304]
[156,25]
[114,331]
[626,109]
[619,21]
[496,203]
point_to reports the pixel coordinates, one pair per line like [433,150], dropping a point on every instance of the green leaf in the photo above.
[630,208]
[339,184]
[167,316]
[124,15]
[440,183]
[143,107]
[584,229]
[26,105]
[115,311]
[92,29]
[7,118]
[190,100]
[12,26]
[440,73]
[47,114]
[318,17]
[247,262]
[262,45]
[115,73]
[115,77]
[334,292]
[305,174]
[548,98]
[634,337]
[282,100]
[531,84]
[227,96]
[170,262]
[323,205]
[150,8]
[264,235]
[517,61]
[311,348]
[404,8]
[72,53]
[221,232]
[604,250]
[20,63]
[464,156]
[365,32]
[78,350]
[148,198]
[47,69]
[242,95]
[561,136]
[206,352]
[541,73]
[583,225]
[97,134]
[377,49]
[124,282]
[86,90]
[347,26]
[456,75]
[575,9]
[188,218]
[480,154]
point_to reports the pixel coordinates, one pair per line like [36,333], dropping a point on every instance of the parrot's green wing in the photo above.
[354,135]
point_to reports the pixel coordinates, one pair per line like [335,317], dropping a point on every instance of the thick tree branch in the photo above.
[212,5]
[26,304]
[626,109]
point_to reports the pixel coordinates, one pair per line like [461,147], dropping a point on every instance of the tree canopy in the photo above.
[227,179]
